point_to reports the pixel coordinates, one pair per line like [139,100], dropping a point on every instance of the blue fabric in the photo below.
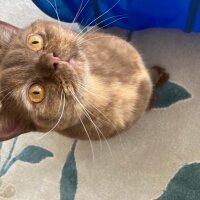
[138,14]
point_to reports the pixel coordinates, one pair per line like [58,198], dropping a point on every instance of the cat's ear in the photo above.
[6,32]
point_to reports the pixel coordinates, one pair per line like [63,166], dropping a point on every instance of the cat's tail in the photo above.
[159,76]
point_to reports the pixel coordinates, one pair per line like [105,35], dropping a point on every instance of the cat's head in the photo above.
[42,71]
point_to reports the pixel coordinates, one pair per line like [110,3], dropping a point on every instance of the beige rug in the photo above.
[136,166]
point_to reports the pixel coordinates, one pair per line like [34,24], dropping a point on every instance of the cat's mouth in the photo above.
[10,133]
[11,129]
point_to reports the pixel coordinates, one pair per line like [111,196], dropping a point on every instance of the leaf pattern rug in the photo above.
[157,159]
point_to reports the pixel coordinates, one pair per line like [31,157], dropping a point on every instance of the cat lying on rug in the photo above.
[85,86]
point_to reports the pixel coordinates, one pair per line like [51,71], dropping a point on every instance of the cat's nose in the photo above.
[52,60]
[49,61]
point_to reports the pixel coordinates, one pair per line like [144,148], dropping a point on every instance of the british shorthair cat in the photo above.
[85,86]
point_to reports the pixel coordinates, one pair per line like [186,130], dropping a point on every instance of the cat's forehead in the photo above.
[44,26]
[49,28]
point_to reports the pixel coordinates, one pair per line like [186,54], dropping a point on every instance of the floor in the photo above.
[143,160]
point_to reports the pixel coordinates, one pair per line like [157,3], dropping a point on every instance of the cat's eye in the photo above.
[35,42]
[36,93]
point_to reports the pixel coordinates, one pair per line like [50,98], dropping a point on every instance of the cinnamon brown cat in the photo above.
[86,86]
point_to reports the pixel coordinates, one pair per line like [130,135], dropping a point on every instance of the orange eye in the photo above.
[35,42]
[36,93]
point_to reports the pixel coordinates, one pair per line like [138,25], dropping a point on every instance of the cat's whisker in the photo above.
[98,30]
[82,21]
[99,17]
[85,27]
[91,30]
[96,25]
[91,146]
[106,119]
[84,88]
[96,95]
[73,96]
[7,96]
[59,89]
[4,90]
[60,103]
[56,11]
[8,88]
[56,8]
[82,40]
[91,93]
[61,115]
[80,10]
[96,127]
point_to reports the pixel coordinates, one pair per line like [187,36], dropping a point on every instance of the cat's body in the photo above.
[119,85]
[95,85]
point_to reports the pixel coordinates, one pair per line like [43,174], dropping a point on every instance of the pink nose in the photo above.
[52,61]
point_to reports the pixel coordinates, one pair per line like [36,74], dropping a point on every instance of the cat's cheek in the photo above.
[1,106]
[26,103]
[77,67]
[72,61]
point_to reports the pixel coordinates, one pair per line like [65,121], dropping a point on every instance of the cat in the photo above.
[82,85]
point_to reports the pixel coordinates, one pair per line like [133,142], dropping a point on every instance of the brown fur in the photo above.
[159,76]
[115,85]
